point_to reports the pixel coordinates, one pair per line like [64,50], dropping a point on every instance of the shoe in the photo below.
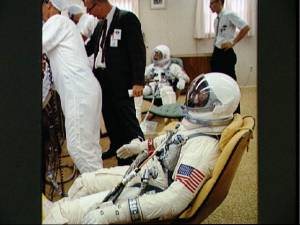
[108,154]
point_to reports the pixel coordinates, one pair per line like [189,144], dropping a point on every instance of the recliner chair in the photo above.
[233,142]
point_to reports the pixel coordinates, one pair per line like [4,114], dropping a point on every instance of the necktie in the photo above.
[103,37]
[217,31]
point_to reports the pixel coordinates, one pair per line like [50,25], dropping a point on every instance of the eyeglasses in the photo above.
[90,9]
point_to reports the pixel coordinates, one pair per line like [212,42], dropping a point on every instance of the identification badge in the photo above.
[117,34]
[113,42]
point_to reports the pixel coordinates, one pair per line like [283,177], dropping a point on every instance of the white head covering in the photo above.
[165,56]
[59,4]
[75,9]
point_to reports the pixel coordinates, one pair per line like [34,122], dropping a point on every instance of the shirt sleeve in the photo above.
[236,20]
[54,31]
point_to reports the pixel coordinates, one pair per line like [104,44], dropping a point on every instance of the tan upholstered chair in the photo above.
[233,142]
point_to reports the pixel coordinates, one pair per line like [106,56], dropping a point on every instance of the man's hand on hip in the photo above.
[227,45]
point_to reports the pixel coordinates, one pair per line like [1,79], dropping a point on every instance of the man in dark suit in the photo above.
[119,65]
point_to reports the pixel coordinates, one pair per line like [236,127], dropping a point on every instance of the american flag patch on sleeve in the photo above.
[189,177]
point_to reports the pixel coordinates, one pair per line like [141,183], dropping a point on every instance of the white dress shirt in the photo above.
[109,18]
[225,30]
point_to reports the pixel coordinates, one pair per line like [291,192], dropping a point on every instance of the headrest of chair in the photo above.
[229,139]
[231,130]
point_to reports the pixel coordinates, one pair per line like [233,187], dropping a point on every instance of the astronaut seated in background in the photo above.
[172,167]
[163,73]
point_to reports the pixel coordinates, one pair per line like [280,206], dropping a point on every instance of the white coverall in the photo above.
[87,24]
[198,155]
[79,91]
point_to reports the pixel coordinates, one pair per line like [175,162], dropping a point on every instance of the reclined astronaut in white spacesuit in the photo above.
[177,164]
[162,72]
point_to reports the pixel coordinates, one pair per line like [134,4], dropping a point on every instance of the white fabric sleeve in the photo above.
[179,73]
[87,25]
[199,155]
[54,31]
[236,20]
[148,71]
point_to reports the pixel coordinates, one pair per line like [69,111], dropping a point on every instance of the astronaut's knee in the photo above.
[78,189]
[54,216]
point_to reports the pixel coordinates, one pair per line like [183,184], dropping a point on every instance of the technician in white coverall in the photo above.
[164,71]
[85,22]
[168,182]
[79,90]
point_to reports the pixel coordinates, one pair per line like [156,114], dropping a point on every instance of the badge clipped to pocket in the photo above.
[113,42]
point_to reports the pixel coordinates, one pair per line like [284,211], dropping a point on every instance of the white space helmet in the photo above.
[212,99]
[164,51]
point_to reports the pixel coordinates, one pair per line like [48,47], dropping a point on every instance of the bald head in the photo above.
[98,8]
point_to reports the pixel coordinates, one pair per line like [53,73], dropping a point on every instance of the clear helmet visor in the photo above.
[160,56]
[200,96]
[157,56]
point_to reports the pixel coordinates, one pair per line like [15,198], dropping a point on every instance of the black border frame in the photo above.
[278,118]
[20,112]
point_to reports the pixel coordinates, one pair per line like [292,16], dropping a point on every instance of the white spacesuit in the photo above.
[79,90]
[163,72]
[166,184]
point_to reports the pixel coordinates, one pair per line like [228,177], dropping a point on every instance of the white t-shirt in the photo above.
[228,23]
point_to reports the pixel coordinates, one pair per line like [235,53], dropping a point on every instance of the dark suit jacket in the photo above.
[125,64]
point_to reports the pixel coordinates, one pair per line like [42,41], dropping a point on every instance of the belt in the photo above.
[216,49]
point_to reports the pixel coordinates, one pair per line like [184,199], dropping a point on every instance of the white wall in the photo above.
[174,26]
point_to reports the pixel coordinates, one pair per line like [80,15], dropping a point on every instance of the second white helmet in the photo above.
[161,55]
[212,99]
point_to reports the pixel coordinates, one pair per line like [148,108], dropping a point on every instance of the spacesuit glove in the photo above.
[180,84]
[133,148]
